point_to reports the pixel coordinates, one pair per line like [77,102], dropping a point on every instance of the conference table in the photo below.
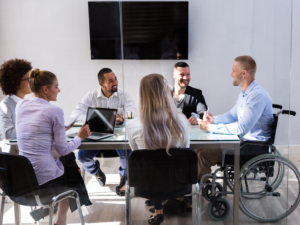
[198,140]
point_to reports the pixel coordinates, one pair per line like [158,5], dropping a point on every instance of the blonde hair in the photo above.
[247,63]
[158,114]
[38,79]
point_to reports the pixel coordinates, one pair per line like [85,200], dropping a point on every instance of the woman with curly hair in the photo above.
[14,82]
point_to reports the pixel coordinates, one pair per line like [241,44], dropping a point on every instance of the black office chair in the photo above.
[17,179]
[153,173]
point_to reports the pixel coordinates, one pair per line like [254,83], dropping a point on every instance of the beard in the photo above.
[183,85]
[112,90]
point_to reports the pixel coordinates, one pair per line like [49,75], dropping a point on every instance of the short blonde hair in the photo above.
[158,114]
[246,63]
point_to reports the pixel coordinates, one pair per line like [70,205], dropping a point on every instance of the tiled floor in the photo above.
[109,209]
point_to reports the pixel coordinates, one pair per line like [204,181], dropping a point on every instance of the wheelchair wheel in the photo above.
[260,200]
[220,210]
[274,181]
[208,191]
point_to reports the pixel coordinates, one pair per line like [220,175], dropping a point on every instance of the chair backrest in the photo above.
[157,171]
[17,177]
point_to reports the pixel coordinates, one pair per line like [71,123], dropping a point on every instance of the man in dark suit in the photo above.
[186,98]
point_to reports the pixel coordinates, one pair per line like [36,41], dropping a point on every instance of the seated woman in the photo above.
[41,125]
[160,125]
[14,82]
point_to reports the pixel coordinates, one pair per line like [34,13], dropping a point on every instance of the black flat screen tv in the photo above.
[150,30]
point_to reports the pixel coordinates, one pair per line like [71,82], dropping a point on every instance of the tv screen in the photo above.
[151,30]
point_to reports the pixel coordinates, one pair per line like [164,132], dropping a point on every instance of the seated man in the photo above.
[250,118]
[186,98]
[108,96]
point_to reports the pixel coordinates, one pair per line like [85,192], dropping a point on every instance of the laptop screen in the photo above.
[101,120]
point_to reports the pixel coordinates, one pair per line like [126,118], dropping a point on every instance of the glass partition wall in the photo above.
[218,32]
[194,46]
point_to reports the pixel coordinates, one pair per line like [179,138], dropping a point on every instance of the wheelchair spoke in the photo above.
[268,197]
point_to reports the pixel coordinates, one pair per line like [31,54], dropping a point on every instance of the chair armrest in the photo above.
[223,157]
[260,143]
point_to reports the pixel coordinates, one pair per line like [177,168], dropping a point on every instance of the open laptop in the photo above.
[102,122]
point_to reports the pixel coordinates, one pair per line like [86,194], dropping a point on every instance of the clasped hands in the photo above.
[207,120]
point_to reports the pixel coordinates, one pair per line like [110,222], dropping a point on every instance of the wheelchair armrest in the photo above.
[260,143]
[224,153]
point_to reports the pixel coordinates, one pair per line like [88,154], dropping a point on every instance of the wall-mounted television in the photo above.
[150,30]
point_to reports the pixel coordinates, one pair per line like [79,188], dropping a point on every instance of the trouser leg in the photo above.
[123,161]
[86,157]
[206,159]
[157,204]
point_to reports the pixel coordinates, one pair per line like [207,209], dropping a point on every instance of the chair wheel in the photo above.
[208,191]
[220,210]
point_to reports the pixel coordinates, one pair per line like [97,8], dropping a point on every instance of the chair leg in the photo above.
[2,210]
[51,210]
[79,210]
[17,214]
[128,206]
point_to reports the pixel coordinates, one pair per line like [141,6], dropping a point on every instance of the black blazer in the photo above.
[193,102]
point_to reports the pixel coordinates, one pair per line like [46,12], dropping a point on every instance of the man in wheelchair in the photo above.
[265,176]
[250,118]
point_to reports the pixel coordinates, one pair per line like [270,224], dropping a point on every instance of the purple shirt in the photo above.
[39,126]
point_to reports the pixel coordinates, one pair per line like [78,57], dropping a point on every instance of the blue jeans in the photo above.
[86,157]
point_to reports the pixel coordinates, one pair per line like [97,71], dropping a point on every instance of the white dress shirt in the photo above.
[7,121]
[119,100]
[134,131]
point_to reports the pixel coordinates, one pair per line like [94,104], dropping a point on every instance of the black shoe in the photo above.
[156,220]
[100,176]
[122,183]
[42,212]
[148,202]
[174,206]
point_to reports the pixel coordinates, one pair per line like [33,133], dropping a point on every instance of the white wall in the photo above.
[54,35]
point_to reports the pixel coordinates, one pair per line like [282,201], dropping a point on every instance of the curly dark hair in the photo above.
[11,74]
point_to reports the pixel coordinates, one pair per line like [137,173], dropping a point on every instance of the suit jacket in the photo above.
[193,102]
[7,122]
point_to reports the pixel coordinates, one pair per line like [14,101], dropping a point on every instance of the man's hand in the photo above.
[192,121]
[209,117]
[120,118]
[203,125]
[67,128]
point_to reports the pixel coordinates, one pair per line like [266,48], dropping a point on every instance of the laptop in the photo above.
[102,122]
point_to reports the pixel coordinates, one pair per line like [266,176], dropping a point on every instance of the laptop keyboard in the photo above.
[97,135]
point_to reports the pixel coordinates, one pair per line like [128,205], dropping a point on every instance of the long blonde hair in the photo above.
[158,114]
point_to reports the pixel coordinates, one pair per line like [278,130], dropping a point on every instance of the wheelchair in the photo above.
[265,177]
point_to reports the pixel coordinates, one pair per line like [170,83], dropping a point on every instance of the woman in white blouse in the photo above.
[14,82]
[40,126]
[160,125]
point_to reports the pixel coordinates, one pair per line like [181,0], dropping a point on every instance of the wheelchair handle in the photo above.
[289,112]
[275,106]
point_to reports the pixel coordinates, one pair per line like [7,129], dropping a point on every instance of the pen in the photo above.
[131,115]
[206,113]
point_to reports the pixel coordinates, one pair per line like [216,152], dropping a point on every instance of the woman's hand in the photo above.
[84,132]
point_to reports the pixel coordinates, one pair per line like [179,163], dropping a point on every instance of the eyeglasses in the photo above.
[27,79]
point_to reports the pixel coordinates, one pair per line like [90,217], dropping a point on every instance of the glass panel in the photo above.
[58,36]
